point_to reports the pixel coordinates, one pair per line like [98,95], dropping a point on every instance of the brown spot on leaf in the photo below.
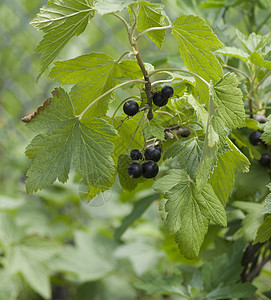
[41,107]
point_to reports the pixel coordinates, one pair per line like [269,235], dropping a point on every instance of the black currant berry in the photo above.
[159,100]
[167,91]
[152,153]
[135,154]
[265,160]
[150,169]
[135,170]
[255,138]
[130,108]
[158,147]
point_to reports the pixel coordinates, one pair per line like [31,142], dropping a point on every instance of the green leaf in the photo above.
[260,60]
[60,21]
[69,140]
[237,290]
[128,184]
[126,131]
[30,258]
[91,258]
[266,136]
[152,15]
[138,209]
[264,231]
[188,211]
[241,142]
[253,219]
[8,203]
[131,69]
[201,112]
[188,153]
[223,175]
[234,52]
[93,74]
[226,111]
[153,128]
[224,269]
[267,204]
[110,6]
[196,42]
[163,286]
[253,42]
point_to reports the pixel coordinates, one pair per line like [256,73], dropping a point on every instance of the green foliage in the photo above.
[188,211]
[60,21]
[67,139]
[100,235]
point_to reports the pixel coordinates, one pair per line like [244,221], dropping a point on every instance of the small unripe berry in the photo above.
[135,170]
[159,100]
[152,153]
[255,138]
[265,160]
[130,108]
[150,169]
[135,154]
[167,91]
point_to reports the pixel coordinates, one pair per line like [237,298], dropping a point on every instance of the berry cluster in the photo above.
[255,139]
[149,168]
[161,98]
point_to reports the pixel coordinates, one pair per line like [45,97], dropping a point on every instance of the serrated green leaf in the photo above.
[138,209]
[154,128]
[226,111]
[93,74]
[266,136]
[264,231]
[223,175]
[188,153]
[201,112]
[130,68]
[260,60]
[127,183]
[188,211]
[234,52]
[152,15]
[196,42]
[169,181]
[110,6]
[253,42]
[83,142]
[60,21]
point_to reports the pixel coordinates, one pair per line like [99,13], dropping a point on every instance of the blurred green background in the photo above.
[53,239]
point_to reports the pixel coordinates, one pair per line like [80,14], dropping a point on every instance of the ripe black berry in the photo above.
[159,100]
[135,170]
[158,147]
[130,108]
[167,91]
[150,169]
[265,160]
[255,138]
[152,153]
[135,154]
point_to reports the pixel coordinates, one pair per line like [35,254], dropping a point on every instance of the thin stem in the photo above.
[148,87]
[262,108]
[164,112]
[108,92]
[239,71]
[263,79]
[139,124]
[121,57]
[123,20]
[152,29]
[181,71]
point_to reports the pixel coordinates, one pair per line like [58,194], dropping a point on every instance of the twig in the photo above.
[239,71]
[263,79]
[151,29]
